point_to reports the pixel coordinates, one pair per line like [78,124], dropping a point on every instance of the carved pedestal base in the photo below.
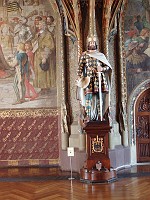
[96,176]
[97,167]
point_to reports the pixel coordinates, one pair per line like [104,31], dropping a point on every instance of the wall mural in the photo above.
[137,42]
[27,54]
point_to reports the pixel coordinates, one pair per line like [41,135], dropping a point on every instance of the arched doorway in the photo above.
[142,124]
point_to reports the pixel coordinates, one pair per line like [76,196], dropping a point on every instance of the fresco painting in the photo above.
[27,54]
[137,43]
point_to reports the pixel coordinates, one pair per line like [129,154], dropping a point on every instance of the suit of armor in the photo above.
[88,67]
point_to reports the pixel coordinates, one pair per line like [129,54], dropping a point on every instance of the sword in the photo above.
[100,96]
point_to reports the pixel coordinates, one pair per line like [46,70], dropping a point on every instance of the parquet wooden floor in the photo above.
[123,189]
[132,188]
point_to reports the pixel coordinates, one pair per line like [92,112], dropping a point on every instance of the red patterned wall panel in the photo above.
[29,137]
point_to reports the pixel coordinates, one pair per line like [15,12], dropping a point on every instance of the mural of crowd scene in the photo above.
[137,42]
[27,54]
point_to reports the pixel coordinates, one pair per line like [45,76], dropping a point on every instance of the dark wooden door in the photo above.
[143,127]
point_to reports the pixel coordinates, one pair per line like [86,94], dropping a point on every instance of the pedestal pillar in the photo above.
[97,167]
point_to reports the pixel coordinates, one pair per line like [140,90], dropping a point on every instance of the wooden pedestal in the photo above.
[97,167]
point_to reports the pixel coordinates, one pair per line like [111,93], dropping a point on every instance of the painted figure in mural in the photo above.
[22,31]
[94,83]
[138,23]
[35,28]
[137,59]
[30,91]
[22,72]
[15,24]
[3,65]
[6,31]
[131,32]
[50,24]
[44,68]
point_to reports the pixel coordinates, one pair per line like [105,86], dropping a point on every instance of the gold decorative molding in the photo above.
[12,162]
[32,162]
[29,112]
[53,161]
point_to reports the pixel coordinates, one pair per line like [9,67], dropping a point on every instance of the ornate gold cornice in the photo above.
[29,112]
